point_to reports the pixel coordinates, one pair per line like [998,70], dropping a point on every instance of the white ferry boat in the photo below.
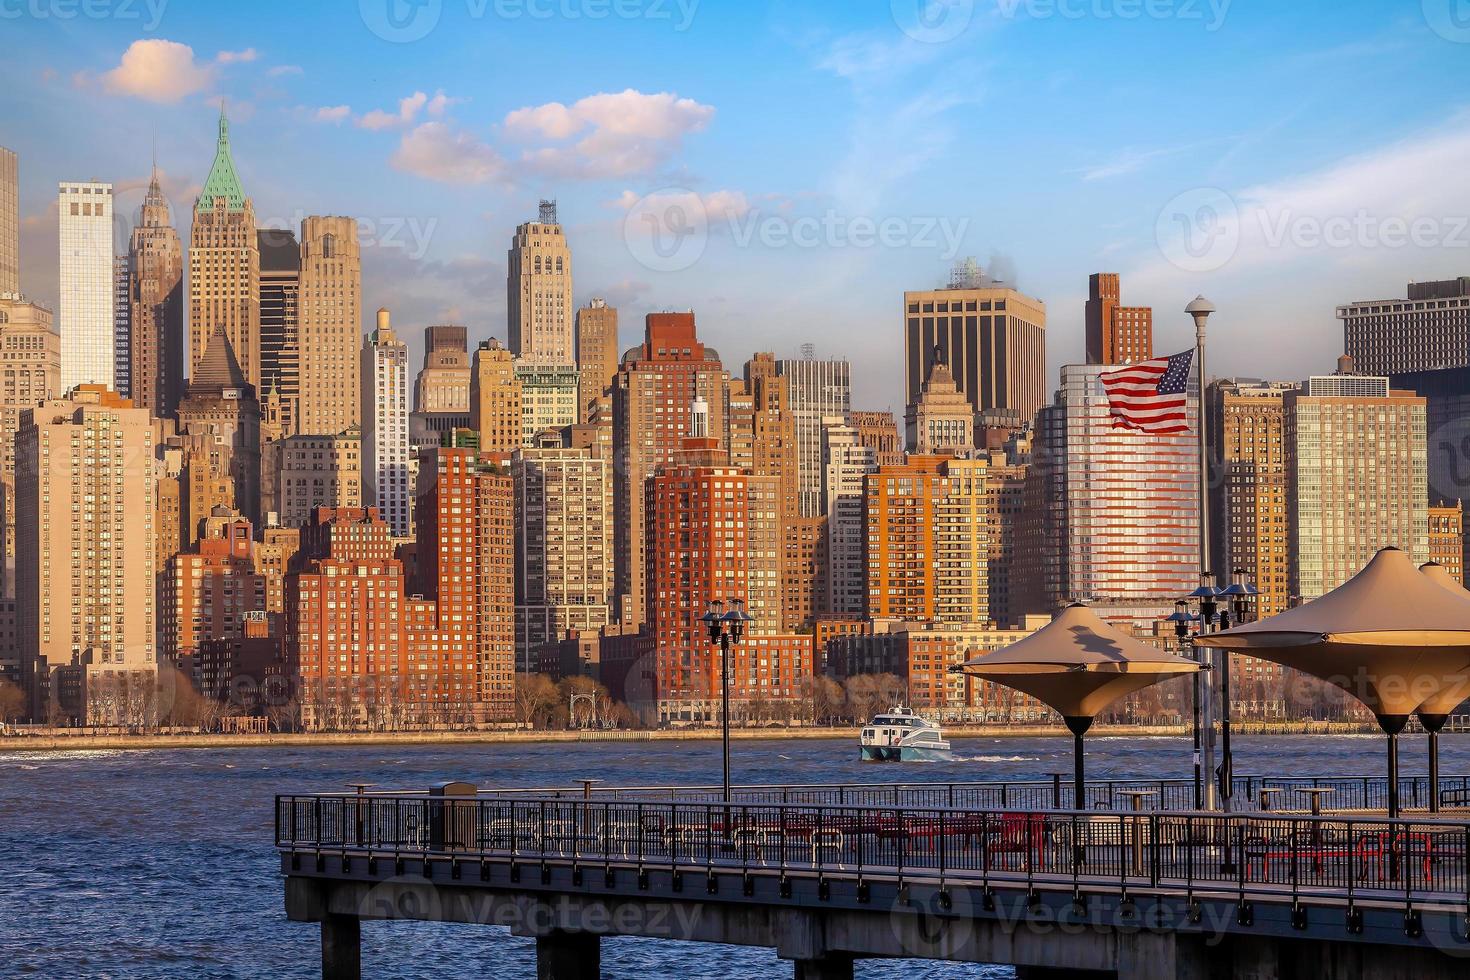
[902,736]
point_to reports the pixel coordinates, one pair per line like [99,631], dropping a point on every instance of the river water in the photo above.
[160,863]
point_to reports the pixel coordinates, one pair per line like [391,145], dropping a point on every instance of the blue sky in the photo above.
[802,163]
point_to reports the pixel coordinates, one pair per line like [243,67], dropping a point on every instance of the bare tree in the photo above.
[536,700]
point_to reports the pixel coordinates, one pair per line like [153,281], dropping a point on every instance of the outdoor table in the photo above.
[1265,793]
[358,807]
[1137,796]
[1316,793]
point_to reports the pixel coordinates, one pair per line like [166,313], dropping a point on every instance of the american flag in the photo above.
[1151,396]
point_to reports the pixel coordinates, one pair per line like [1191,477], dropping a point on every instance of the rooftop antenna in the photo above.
[548,212]
[967,275]
[808,352]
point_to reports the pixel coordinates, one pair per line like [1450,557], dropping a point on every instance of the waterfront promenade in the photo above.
[1136,885]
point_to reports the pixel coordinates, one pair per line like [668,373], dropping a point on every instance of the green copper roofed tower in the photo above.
[222,181]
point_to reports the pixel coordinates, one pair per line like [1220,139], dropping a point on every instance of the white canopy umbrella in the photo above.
[1389,636]
[1078,665]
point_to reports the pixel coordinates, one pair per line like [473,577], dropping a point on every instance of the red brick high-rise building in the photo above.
[1116,334]
[652,397]
[708,539]
[208,592]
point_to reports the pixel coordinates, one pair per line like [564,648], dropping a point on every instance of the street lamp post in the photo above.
[1181,620]
[1239,597]
[725,631]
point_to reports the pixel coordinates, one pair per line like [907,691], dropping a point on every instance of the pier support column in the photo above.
[568,956]
[341,947]
[833,966]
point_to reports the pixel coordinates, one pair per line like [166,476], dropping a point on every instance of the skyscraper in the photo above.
[330,331]
[495,400]
[1358,477]
[1116,334]
[817,389]
[993,338]
[1122,507]
[597,353]
[156,307]
[85,319]
[85,552]
[657,384]
[928,540]
[846,462]
[220,409]
[224,265]
[940,420]
[1248,513]
[563,545]
[318,471]
[1428,331]
[9,221]
[539,291]
[280,317]
[31,351]
[443,383]
[122,326]
[385,483]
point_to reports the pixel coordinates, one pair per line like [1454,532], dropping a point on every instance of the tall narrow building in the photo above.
[85,317]
[385,483]
[597,354]
[846,461]
[85,554]
[1116,334]
[563,545]
[329,331]
[1248,500]
[539,291]
[31,352]
[224,265]
[656,385]
[818,389]
[495,400]
[156,307]
[122,326]
[993,338]
[9,221]
[280,318]
[879,432]
[220,410]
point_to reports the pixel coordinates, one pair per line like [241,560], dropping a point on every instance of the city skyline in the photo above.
[600,142]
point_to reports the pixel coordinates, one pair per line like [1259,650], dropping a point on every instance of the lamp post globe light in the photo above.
[726,628]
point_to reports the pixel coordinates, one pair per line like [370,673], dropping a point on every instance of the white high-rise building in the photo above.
[539,292]
[845,461]
[549,397]
[817,390]
[85,318]
[385,454]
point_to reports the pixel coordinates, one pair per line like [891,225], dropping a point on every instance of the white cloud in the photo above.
[408,111]
[332,114]
[623,134]
[158,70]
[232,57]
[280,71]
[437,151]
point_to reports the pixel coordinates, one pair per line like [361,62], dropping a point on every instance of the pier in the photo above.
[1128,888]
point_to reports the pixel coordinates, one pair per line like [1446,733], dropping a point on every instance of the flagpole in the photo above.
[1200,310]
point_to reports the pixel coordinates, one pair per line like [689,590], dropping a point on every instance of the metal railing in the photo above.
[1286,856]
[1349,793]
